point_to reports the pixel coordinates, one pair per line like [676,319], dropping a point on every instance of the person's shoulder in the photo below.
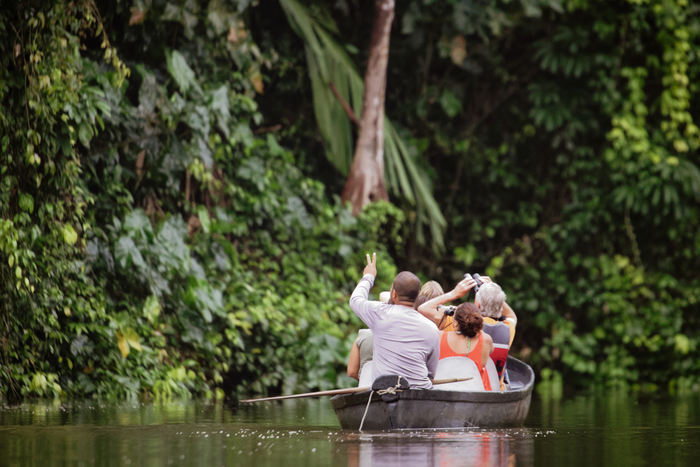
[364,335]
[423,320]
[507,321]
[376,306]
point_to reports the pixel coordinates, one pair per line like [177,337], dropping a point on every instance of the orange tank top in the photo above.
[474,355]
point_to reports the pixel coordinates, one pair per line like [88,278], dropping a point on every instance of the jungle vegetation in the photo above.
[171,219]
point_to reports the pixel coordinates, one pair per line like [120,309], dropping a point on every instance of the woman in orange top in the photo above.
[468,340]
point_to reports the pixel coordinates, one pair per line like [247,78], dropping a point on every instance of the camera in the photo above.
[448,310]
[477,279]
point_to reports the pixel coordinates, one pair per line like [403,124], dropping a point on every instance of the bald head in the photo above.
[407,286]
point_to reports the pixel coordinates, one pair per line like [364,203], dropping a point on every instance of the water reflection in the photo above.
[442,448]
[611,430]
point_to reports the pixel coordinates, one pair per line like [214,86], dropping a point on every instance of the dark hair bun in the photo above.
[468,319]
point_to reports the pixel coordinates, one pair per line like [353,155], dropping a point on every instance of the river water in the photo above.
[619,430]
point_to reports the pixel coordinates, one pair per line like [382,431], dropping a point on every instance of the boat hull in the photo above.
[416,408]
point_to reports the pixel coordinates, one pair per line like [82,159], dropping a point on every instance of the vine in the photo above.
[49,108]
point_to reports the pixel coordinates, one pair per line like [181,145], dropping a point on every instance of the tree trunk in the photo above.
[365,182]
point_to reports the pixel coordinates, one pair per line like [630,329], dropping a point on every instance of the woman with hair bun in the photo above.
[468,340]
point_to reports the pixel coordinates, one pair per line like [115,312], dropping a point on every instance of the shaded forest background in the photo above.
[171,177]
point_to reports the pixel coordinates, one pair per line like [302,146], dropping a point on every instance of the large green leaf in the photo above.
[126,252]
[170,246]
[182,73]
[26,202]
[137,224]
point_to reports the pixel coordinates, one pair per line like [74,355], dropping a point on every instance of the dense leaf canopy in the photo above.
[170,219]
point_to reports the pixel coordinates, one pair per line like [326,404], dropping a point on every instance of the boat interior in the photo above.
[461,367]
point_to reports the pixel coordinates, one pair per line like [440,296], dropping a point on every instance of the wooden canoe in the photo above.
[436,408]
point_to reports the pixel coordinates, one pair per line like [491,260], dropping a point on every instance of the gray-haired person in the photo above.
[499,322]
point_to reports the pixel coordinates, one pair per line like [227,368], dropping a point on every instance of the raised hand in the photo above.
[463,288]
[371,267]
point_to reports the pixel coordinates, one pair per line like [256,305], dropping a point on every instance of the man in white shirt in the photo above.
[405,342]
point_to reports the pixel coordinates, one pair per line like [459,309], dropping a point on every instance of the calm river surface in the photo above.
[582,431]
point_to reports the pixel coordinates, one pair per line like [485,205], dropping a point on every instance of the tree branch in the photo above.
[344,103]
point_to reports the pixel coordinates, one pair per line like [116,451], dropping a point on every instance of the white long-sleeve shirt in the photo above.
[405,342]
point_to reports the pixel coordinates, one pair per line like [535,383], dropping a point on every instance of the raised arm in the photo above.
[509,314]
[359,302]
[429,308]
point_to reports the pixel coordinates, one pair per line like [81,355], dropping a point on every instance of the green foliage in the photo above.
[175,251]
[48,297]
[168,228]
[561,141]
[583,212]
[621,312]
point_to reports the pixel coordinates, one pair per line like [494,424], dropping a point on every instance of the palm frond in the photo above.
[329,63]
[414,186]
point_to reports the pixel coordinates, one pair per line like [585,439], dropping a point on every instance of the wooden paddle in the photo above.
[335,392]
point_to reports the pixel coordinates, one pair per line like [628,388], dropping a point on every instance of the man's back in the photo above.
[405,343]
